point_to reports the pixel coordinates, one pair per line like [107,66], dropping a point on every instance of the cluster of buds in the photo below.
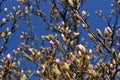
[49,37]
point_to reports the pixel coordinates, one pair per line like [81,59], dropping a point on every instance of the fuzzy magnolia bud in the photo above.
[91,36]
[63,37]
[9,33]
[57,43]
[119,56]
[71,43]
[84,13]
[118,2]
[84,26]
[5,9]
[56,71]
[99,32]
[70,2]
[23,77]
[43,68]
[107,31]
[31,51]
[65,66]
[76,34]
[90,51]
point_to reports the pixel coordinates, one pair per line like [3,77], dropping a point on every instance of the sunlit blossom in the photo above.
[8,57]
[81,48]
[57,61]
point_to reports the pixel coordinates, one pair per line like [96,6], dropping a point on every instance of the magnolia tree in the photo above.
[62,54]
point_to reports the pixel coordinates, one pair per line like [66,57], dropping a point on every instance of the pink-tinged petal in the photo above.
[57,61]
[69,62]
[51,42]
[38,72]
[63,23]
[8,57]
[109,29]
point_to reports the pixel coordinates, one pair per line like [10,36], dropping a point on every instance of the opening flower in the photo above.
[82,48]
[57,61]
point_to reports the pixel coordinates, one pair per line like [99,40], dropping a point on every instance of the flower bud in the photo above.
[107,31]
[119,57]
[38,72]
[63,23]
[23,77]
[56,71]
[57,61]
[5,9]
[4,20]
[9,33]
[76,34]
[14,8]
[63,37]
[84,26]
[90,51]
[87,57]
[70,2]
[84,13]
[113,61]
[51,42]
[99,32]
[118,1]
[31,51]
[113,50]
[91,36]
[9,57]
[43,68]
[82,48]
[71,43]
[57,43]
